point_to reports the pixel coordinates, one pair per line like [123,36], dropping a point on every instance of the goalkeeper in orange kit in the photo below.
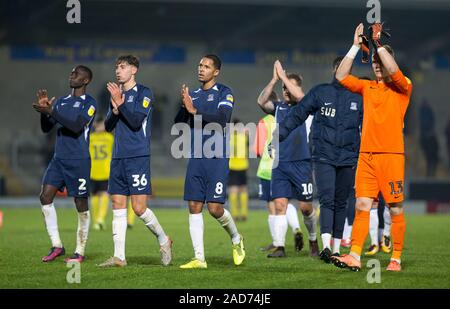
[381,160]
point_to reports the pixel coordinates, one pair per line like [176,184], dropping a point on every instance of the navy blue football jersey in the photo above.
[214,105]
[133,124]
[295,146]
[73,117]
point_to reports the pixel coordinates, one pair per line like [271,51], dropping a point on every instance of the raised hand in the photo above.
[275,76]
[42,98]
[187,100]
[117,97]
[43,104]
[358,32]
[377,30]
[279,69]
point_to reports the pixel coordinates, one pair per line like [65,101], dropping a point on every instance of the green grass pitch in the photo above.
[23,240]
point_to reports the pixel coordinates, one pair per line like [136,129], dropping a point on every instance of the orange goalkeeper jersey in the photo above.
[385,106]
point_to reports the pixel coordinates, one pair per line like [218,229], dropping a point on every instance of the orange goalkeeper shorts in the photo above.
[383,172]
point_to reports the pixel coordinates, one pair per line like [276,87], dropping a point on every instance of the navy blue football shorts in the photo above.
[206,180]
[264,190]
[292,179]
[130,176]
[73,174]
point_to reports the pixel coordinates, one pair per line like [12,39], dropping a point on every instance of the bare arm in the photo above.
[345,67]
[263,99]
[295,91]
[388,61]
[402,83]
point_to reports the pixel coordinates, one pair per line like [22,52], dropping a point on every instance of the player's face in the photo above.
[206,70]
[124,72]
[377,67]
[77,78]
[286,94]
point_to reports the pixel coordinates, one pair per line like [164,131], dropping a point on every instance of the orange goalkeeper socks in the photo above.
[398,234]
[360,231]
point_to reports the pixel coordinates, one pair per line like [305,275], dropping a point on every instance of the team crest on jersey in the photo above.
[76,104]
[130,98]
[354,106]
[210,97]
[91,111]
[230,98]
[146,102]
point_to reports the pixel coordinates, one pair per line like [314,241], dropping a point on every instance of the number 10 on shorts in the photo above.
[307,188]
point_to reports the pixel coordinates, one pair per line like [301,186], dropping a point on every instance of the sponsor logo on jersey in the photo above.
[130,98]
[210,97]
[77,104]
[354,106]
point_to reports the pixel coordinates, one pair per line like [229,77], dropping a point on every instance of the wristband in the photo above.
[352,52]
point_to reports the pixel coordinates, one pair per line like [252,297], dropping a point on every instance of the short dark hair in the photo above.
[86,70]
[215,59]
[337,61]
[130,59]
[273,96]
[295,77]
[389,49]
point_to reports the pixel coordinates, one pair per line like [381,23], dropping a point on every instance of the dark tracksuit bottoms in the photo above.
[334,184]
[381,206]
[351,204]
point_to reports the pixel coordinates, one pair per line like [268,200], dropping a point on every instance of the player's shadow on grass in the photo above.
[95,255]
[220,260]
[144,260]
